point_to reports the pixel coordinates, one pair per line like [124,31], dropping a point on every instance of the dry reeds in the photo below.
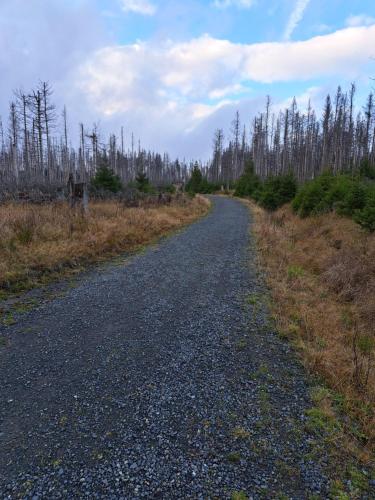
[321,272]
[39,240]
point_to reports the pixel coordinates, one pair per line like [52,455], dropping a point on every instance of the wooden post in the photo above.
[78,195]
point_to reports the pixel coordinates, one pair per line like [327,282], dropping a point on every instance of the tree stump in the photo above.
[78,195]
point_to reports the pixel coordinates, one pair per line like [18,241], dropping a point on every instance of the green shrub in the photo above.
[367,169]
[194,183]
[268,199]
[106,179]
[328,192]
[354,199]
[313,198]
[170,188]
[207,187]
[366,218]
[199,184]
[248,183]
[143,184]
[337,191]
[307,199]
[257,194]
[287,188]
[276,191]
[349,196]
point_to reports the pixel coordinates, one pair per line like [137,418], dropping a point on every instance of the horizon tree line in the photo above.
[36,150]
[301,143]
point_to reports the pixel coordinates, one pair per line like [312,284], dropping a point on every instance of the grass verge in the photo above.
[321,273]
[42,242]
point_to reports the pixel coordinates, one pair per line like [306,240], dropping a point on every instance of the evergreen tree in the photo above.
[195,183]
[105,179]
[248,182]
[142,183]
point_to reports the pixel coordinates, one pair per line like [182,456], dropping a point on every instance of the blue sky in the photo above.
[244,22]
[173,71]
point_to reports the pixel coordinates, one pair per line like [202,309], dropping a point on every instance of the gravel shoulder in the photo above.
[158,378]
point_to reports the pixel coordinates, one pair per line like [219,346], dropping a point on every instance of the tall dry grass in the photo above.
[321,272]
[39,240]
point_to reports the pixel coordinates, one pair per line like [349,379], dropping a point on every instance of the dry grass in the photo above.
[39,241]
[321,272]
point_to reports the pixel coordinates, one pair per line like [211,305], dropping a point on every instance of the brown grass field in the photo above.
[39,242]
[321,273]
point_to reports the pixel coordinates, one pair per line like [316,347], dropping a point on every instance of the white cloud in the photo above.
[31,41]
[295,17]
[166,89]
[144,7]
[230,90]
[241,4]
[119,79]
[172,95]
[360,20]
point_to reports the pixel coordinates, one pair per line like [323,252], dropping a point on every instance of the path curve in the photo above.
[158,378]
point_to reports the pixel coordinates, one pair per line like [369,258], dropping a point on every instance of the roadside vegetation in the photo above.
[39,242]
[347,194]
[317,246]
[199,184]
[351,196]
[270,193]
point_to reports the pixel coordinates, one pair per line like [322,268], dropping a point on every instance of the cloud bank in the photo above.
[360,20]
[182,87]
[124,78]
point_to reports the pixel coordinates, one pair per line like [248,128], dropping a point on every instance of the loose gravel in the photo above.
[158,378]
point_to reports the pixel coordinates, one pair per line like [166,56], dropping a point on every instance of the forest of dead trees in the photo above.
[36,148]
[299,142]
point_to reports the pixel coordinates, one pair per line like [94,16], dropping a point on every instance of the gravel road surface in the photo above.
[158,377]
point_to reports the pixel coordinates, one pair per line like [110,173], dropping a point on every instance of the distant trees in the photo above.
[218,145]
[36,150]
[36,146]
[292,141]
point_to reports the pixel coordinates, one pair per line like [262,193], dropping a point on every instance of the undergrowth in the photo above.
[271,193]
[349,196]
[321,272]
[39,242]
[346,194]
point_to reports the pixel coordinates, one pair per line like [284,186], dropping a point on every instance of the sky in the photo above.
[174,71]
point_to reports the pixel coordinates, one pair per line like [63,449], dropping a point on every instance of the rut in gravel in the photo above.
[158,377]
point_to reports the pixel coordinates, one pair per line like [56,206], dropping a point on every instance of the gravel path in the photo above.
[158,378]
